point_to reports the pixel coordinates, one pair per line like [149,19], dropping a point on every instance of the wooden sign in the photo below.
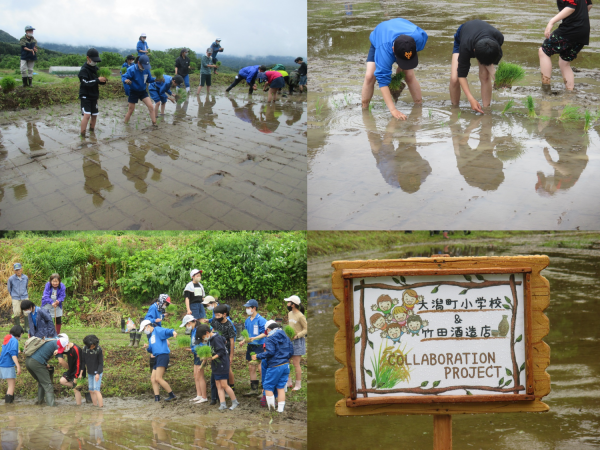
[441,335]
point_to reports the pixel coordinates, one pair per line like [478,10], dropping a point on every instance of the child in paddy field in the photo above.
[194,295]
[220,364]
[159,349]
[278,351]
[223,325]
[191,325]
[393,41]
[9,360]
[136,77]
[567,40]
[142,46]
[182,68]
[88,90]
[255,325]
[128,63]
[206,62]
[160,88]
[297,321]
[93,360]
[275,82]
[475,39]
[52,299]
[249,74]
[75,368]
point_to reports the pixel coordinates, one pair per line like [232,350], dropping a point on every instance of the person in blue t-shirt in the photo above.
[399,41]
[142,46]
[255,325]
[216,48]
[160,351]
[9,360]
[160,88]
[137,76]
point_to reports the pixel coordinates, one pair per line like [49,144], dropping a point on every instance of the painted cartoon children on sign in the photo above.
[451,335]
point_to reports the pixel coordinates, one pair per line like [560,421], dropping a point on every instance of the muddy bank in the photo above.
[214,162]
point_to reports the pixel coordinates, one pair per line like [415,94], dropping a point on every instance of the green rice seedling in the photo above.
[397,81]
[253,362]
[123,70]
[334,103]
[245,335]
[346,99]
[183,340]
[508,105]
[158,74]
[387,372]
[203,351]
[569,114]
[8,84]
[589,120]
[318,106]
[104,72]
[181,96]
[459,113]
[370,106]
[507,74]
[530,105]
[430,114]
[219,63]
[289,331]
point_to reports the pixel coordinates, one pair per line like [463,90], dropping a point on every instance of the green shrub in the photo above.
[507,74]
[8,84]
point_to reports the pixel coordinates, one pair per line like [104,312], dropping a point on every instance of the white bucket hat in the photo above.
[143,325]
[294,299]
[208,299]
[186,319]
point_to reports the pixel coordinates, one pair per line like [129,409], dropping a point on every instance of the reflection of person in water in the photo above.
[10,437]
[96,178]
[572,160]
[403,167]
[479,166]
[206,116]
[138,167]
[96,435]
[348,8]
[294,114]
[33,137]
[244,113]
[268,119]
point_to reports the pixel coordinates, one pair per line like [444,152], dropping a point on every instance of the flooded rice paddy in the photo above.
[448,167]
[131,424]
[214,162]
[574,417]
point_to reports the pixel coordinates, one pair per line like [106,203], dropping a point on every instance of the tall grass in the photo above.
[507,74]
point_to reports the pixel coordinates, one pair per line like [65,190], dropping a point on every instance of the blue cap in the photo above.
[17,266]
[262,77]
[252,303]
[145,62]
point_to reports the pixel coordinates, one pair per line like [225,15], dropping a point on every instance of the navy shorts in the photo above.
[371,55]
[134,96]
[276,377]
[89,106]
[160,361]
[154,95]
[456,48]
[256,348]
[277,83]
[566,49]
[205,78]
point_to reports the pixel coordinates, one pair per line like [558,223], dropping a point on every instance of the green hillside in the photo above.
[5,37]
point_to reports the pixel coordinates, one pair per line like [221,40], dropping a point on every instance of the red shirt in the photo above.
[271,75]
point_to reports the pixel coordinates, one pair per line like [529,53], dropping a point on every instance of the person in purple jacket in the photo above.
[53,298]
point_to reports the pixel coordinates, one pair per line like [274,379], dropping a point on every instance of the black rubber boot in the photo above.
[30,81]
[40,396]
[6,399]
[88,398]
[171,397]
[50,399]
[11,398]
[25,83]
[138,337]
[123,326]
[253,388]
[131,339]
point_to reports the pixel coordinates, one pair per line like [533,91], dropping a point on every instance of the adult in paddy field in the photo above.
[41,324]
[475,39]
[194,295]
[18,289]
[37,366]
[399,41]
[28,55]
[137,76]
[89,91]
[567,40]
[142,46]
[216,48]
[248,73]
[52,299]
[275,82]
[182,67]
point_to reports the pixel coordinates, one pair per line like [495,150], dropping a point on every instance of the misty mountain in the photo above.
[5,37]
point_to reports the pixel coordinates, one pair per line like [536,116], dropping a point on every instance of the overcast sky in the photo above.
[245,27]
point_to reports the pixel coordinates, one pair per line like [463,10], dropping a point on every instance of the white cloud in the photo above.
[246,28]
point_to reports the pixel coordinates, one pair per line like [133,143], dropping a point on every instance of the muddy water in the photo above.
[72,427]
[217,162]
[574,417]
[447,167]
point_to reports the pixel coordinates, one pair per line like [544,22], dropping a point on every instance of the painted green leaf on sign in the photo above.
[519,338]
[370,344]
[522,367]
[374,383]
[508,382]
[501,381]
[369,373]
[479,277]
[403,279]
[506,306]
[436,383]
[356,327]
[508,372]
[356,340]
[469,393]
[424,383]
[467,277]
[396,280]
[507,299]
[435,289]
[463,292]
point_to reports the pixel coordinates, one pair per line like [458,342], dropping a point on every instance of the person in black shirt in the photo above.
[75,368]
[182,67]
[567,40]
[475,39]
[302,71]
[88,90]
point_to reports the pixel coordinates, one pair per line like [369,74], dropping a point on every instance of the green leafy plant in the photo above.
[183,340]
[289,331]
[569,114]
[8,84]
[589,120]
[508,105]
[530,105]
[203,351]
[158,74]
[245,335]
[104,72]
[507,74]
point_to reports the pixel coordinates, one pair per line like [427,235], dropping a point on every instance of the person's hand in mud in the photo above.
[475,106]
[172,99]
[398,115]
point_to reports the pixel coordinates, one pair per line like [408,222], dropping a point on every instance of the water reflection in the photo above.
[33,137]
[96,178]
[269,119]
[139,168]
[401,166]
[206,116]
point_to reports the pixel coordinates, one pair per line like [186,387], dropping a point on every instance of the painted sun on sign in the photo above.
[441,335]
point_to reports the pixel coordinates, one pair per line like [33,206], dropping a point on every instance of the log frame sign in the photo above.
[441,335]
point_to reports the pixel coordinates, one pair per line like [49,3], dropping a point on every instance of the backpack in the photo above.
[278,67]
[294,78]
[32,345]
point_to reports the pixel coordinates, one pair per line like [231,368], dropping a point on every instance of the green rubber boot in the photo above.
[26,324]
[138,337]
[131,339]
[40,396]
[16,321]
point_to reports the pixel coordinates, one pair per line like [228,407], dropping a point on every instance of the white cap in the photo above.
[269,322]
[143,35]
[63,340]
[208,299]
[194,272]
[294,299]
[144,324]
[187,318]
[218,39]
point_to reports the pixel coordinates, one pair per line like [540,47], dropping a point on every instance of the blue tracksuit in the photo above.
[142,46]
[157,343]
[138,77]
[153,314]
[125,85]
[249,73]
[278,348]
[10,349]
[158,90]
[382,38]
